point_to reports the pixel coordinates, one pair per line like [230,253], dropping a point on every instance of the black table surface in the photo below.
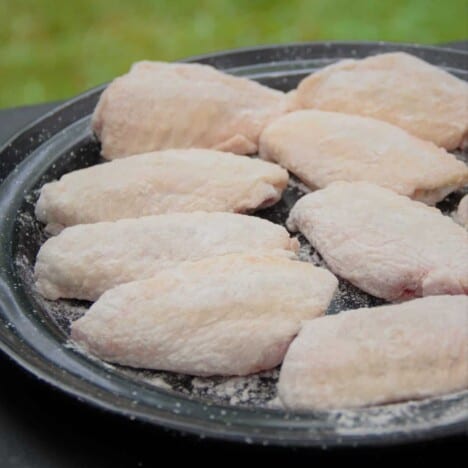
[42,427]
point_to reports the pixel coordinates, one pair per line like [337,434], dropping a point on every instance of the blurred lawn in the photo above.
[52,49]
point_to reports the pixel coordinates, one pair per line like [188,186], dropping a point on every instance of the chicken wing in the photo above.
[323,147]
[384,243]
[396,87]
[229,315]
[173,105]
[379,355]
[84,261]
[160,182]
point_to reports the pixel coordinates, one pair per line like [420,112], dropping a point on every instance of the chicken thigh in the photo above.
[379,355]
[84,261]
[160,182]
[173,105]
[397,88]
[229,315]
[386,244]
[323,147]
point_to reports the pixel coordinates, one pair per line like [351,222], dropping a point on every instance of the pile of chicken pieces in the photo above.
[183,279]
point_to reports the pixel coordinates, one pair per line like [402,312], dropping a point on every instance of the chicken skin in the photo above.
[323,147]
[229,315]
[397,88]
[385,354]
[158,183]
[385,244]
[84,261]
[160,106]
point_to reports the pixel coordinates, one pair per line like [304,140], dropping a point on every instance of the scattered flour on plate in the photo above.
[295,183]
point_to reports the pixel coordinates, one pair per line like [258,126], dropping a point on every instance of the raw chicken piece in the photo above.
[462,212]
[84,261]
[172,105]
[384,243]
[323,147]
[384,354]
[396,87]
[160,182]
[229,315]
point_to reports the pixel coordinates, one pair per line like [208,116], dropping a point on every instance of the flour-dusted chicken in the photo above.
[461,215]
[160,182]
[173,105]
[228,315]
[84,261]
[384,354]
[322,147]
[384,243]
[396,87]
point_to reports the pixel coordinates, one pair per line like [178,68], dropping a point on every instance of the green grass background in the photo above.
[53,49]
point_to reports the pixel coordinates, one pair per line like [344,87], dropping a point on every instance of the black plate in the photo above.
[34,331]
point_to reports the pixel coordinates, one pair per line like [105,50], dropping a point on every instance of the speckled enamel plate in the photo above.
[34,332]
